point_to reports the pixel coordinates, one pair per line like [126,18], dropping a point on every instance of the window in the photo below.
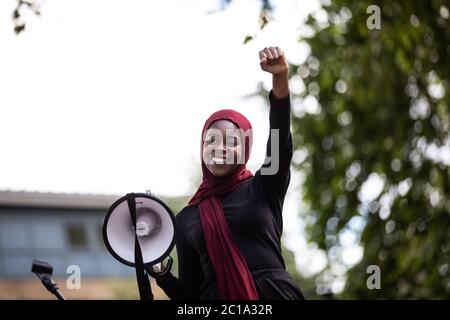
[76,236]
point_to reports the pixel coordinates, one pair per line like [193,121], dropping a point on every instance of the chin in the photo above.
[221,172]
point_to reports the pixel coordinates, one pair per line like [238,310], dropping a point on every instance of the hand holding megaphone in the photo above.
[161,268]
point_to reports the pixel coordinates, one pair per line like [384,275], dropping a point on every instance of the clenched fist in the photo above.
[272,60]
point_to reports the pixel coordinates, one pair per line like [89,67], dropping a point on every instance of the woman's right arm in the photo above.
[187,285]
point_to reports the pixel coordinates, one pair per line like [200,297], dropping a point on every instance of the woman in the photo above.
[228,237]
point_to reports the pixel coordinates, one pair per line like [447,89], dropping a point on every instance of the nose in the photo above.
[220,151]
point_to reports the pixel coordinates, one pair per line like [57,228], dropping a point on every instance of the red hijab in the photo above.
[234,281]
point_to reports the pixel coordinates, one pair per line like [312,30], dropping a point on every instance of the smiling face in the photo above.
[222,148]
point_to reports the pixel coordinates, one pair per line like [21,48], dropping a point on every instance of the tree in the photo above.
[373,143]
[19,23]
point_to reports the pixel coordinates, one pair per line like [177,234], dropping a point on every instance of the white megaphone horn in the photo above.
[139,231]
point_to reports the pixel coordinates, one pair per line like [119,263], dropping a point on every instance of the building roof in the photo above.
[56,200]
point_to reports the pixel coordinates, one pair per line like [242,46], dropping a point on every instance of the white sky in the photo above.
[110,96]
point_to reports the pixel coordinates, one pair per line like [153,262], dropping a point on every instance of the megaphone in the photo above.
[139,231]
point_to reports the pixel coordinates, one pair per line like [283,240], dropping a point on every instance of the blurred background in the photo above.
[83,82]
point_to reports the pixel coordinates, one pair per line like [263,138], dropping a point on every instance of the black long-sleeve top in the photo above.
[253,212]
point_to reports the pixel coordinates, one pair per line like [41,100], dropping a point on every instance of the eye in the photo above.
[210,140]
[232,142]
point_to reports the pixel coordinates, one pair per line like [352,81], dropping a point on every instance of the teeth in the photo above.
[218,160]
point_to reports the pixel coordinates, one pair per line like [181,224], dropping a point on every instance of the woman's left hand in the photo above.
[272,60]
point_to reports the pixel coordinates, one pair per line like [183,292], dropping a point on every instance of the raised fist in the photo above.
[272,60]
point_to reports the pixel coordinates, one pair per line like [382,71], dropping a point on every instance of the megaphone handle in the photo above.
[168,266]
[150,271]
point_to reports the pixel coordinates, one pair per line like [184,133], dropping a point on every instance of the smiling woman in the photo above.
[222,147]
[227,142]
[228,237]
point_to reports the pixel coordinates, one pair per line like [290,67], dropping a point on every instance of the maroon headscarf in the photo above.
[234,281]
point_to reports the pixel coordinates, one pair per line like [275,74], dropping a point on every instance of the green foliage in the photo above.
[383,99]
[307,285]
[175,203]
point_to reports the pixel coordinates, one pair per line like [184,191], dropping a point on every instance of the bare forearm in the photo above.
[280,84]
[274,61]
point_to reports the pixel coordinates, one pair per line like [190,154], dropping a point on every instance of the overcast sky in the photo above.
[110,96]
